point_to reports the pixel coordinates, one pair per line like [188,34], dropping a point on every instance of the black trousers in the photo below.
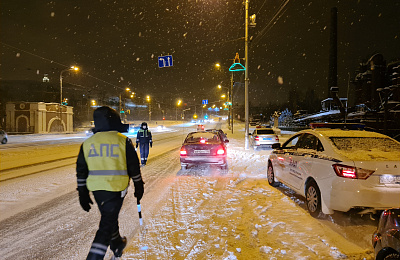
[109,204]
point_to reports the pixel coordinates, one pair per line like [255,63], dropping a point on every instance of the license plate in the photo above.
[267,139]
[201,151]
[389,179]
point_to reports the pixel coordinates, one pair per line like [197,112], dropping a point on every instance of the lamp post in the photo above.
[148,100]
[61,96]
[120,103]
[246,75]
[228,100]
[61,80]
[177,105]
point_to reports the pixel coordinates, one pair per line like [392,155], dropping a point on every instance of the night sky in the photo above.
[117,44]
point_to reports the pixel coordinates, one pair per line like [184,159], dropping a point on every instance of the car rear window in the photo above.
[367,148]
[265,132]
[208,136]
[365,144]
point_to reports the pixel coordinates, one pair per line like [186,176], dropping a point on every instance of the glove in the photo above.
[151,144]
[84,198]
[139,189]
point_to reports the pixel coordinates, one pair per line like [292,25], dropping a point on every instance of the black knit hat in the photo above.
[107,119]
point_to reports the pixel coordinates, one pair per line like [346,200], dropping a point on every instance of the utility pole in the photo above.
[246,76]
[231,106]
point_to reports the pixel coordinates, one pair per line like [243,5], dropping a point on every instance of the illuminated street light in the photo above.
[177,105]
[148,100]
[223,96]
[72,68]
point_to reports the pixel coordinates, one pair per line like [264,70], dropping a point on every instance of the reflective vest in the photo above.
[105,155]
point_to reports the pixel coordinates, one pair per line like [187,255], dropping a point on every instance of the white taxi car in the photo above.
[339,169]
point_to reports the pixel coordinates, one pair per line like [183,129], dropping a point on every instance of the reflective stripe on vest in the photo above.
[105,155]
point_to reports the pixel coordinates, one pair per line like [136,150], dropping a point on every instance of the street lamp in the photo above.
[228,100]
[148,100]
[120,102]
[177,105]
[72,68]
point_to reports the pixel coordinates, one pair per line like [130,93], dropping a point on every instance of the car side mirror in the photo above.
[276,146]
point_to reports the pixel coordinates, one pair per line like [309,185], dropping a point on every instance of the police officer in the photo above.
[106,162]
[144,138]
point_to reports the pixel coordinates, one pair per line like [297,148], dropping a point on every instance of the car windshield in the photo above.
[265,132]
[367,148]
[207,136]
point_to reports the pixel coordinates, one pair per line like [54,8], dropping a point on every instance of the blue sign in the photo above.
[204,102]
[165,61]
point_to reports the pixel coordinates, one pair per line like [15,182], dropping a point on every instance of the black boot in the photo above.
[118,245]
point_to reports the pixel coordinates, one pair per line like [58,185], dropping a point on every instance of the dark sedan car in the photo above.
[203,148]
[386,239]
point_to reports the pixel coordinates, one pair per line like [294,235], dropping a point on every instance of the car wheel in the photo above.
[271,175]
[183,167]
[4,141]
[387,254]
[313,197]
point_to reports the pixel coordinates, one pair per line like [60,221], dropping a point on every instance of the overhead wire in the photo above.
[271,23]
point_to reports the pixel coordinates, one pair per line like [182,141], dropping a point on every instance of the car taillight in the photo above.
[276,138]
[257,138]
[220,151]
[183,152]
[351,172]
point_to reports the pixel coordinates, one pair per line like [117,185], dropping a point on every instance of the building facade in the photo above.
[38,117]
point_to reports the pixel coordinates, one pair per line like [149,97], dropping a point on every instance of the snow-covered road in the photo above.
[201,213]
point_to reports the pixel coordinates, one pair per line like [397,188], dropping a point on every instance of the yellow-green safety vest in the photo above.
[105,155]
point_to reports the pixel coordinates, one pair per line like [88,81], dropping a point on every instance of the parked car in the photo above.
[263,138]
[386,239]
[339,169]
[90,131]
[203,148]
[3,137]
[200,127]
[221,134]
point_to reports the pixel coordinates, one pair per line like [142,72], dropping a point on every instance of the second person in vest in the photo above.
[145,141]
